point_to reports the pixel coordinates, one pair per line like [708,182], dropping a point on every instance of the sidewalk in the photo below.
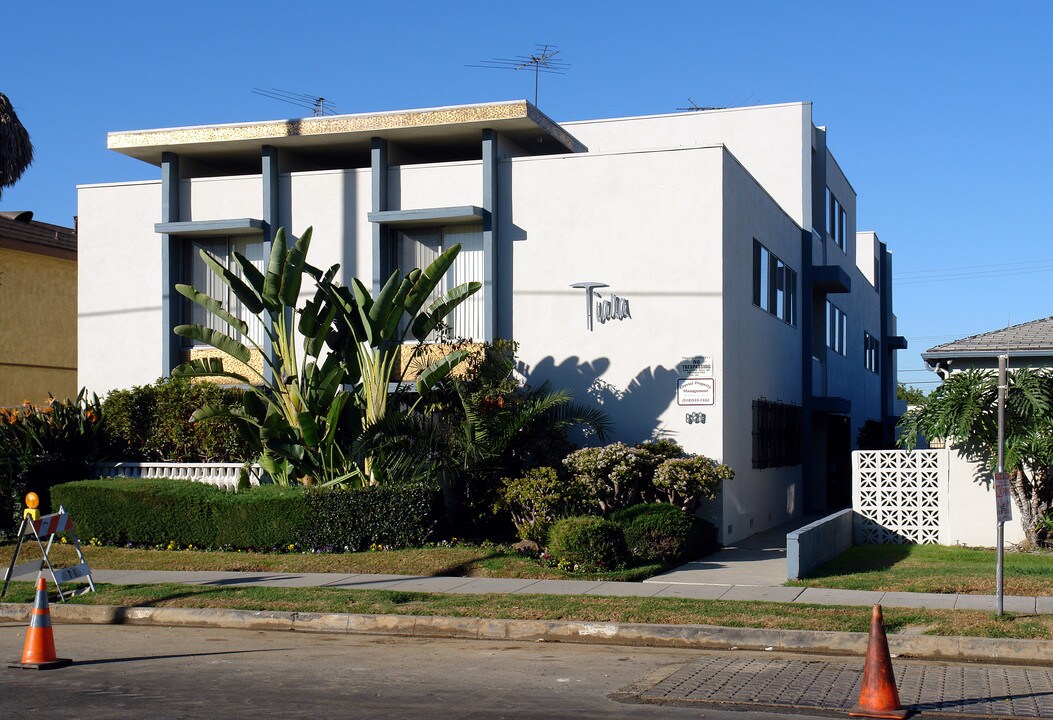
[655,587]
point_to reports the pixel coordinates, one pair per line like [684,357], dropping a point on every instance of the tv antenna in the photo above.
[541,60]
[695,107]
[316,104]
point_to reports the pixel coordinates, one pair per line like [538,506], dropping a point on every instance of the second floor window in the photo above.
[774,285]
[836,221]
[836,329]
[418,247]
[870,352]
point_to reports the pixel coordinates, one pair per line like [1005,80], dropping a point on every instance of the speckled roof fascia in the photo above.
[335,124]
[1034,336]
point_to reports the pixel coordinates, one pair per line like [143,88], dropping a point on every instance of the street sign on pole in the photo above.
[1003,498]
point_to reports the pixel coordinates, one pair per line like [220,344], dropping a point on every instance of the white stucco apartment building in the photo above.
[753,323]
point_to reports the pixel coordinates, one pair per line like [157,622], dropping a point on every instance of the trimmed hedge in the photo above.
[588,541]
[665,533]
[353,520]
[158,512]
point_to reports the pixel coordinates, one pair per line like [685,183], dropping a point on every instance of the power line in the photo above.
[930,276]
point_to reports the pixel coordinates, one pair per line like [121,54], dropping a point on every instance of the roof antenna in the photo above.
[541,60]
[318,105]
[695,107]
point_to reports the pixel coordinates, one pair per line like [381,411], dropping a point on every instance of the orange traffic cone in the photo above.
[39,651]
[878,698]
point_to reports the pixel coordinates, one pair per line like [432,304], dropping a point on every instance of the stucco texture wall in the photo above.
[38,327]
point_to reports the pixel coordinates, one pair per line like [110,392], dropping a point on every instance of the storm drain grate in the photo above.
[1017,692]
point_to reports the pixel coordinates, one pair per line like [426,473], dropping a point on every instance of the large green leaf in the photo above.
[243,292]
[216,339]
[272,283]
[429,279]
[251,274]
[439,370]
[292,272]
[364,303]
[382,305]
[213,306]
[309,428]
[390,325]
[207,367]
[426,322]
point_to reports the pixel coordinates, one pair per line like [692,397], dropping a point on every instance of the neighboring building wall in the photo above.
[38,327]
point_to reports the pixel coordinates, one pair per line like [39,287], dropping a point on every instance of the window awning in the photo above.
[460,215]
[234,226]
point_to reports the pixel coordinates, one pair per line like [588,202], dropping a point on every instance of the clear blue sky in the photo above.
[939,112]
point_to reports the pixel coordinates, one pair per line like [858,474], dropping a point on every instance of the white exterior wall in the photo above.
[971,518]
[118,285]
[411,187]
[762,355]
[773,141]
[648,225]
[334,203]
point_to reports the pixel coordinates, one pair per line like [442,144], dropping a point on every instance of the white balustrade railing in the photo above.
[221,475]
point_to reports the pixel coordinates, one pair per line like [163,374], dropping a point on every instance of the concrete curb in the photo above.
[600,633]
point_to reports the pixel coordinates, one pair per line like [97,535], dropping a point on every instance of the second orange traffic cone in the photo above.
[39,650]
[878,698]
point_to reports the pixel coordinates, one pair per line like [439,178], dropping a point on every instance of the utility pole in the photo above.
[1000,480]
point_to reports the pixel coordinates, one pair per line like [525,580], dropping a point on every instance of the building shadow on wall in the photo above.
[634,410]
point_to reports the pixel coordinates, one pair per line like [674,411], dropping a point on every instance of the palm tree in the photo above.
[16,151]
[964,409]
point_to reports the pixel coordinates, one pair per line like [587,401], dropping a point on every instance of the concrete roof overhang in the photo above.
[430,135]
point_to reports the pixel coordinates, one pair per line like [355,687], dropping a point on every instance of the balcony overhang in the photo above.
[431,134]
[234,226]
[832,405]
[830,279]
[897,342]
[460,215]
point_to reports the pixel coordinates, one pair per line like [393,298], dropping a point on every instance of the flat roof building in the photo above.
[699,274]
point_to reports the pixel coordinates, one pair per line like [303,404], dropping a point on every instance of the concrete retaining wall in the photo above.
[816,544]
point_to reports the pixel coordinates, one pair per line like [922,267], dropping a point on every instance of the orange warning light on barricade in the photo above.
[32,510]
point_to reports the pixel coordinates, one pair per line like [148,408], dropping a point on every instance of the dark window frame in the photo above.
[776,434]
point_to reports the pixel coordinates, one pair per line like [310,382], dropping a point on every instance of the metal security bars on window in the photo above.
[776,434]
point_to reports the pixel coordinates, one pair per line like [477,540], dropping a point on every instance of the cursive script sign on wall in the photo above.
[602,308]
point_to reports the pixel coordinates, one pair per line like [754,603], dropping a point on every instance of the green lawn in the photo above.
[934,568]
[457,561]
[562,607]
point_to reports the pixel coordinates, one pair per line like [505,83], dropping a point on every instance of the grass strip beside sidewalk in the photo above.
[666,611]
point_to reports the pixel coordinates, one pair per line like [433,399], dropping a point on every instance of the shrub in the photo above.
[612,474]
[152,422]
[685,481]
[538,499]
[157,512]
[588,542]
[618,476]
[43,445]
[658,532]
[354,519]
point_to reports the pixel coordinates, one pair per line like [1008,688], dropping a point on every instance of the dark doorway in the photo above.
[838,462]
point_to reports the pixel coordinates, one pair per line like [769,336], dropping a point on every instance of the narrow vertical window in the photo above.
[791,298]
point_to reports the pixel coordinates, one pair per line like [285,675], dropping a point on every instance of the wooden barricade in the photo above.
[48,527]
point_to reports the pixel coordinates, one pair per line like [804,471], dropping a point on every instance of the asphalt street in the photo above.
[160,672]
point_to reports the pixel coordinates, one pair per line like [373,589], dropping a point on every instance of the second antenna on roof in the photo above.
[541,60]
[317,105]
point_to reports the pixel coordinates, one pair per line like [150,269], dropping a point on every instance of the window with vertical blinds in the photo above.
[198,274]
[418,247]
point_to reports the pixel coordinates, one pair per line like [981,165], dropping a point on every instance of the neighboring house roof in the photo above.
[1033,338]
[37,237]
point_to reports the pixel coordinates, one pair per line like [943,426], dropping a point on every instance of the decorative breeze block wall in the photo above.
[899,496]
